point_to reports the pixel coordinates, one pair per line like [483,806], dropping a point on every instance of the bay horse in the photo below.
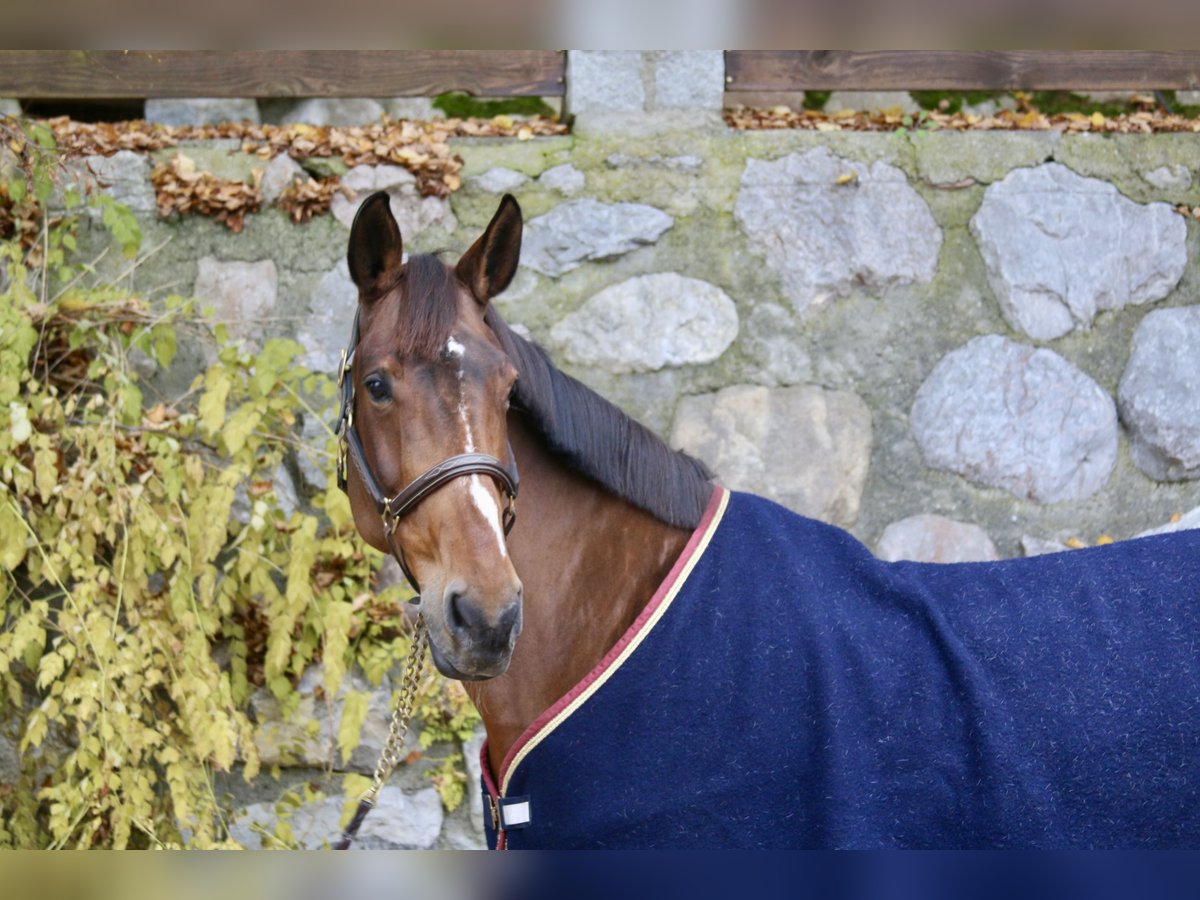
[661,662]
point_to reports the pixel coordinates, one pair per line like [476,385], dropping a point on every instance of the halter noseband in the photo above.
[392,509]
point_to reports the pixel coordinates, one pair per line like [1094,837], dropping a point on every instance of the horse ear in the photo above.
[376,247]
[489,266]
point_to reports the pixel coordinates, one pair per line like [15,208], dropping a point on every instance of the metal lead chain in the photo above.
[394,745]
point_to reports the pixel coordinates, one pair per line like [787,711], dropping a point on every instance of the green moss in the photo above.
[816,99]
[464,106]
[1052,103]
[1182,109]
[955,100]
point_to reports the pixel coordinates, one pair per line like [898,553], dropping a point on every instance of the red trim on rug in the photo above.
[639,623]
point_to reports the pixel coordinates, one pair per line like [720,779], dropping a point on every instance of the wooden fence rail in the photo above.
[82,74]
[960,70]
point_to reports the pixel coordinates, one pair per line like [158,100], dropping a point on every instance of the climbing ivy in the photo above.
[150,578]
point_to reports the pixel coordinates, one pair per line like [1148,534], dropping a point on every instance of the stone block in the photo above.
[689,79]
[413,212]
[1059,248]
[399,821]
[499,180]
[829,226]
[805,447]
[604,81]
[581,230]
[645,323]
[566,179]
[243,294]
[1006,415]
[1160,394]
[201,111]
[935,539]
[337,111]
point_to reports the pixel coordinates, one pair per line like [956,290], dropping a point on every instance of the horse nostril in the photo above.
[460,614]
[509,618]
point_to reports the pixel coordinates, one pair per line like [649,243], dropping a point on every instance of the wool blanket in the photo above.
[785,688]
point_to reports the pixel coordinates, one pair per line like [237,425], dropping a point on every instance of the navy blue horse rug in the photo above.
[784,688]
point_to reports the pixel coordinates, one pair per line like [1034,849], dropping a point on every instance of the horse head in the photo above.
[432,477]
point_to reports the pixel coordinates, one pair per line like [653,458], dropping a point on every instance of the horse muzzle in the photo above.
[473,642]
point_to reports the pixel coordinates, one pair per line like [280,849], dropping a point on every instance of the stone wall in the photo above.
[956,345]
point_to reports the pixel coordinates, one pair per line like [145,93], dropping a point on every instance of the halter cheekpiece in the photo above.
[392,509]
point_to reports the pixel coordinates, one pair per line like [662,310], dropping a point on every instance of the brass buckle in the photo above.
[389,521]
[343,368]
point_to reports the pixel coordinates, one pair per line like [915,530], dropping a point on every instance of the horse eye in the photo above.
[377,388]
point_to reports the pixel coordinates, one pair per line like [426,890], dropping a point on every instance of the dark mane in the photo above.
[597,439]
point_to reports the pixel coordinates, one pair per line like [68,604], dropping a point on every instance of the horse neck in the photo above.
[589,562]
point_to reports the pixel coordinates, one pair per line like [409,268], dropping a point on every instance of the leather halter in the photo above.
[392,509]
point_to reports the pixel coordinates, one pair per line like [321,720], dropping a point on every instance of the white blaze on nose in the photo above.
[480,497]
[486,504]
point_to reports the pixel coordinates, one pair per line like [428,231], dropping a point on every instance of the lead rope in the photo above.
[392,747]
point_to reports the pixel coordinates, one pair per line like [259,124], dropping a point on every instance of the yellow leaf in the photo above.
[354,713]
[212,403]
[1104,539]
[1097,120]
[847,178]
[337,640]
[13,537]
[1075,543]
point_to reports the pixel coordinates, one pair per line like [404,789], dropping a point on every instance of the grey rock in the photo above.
[293,742]
[648,322]
[314,456]
[1187,98]
[1169,178]
[1034,546]
[280,172]
[871,101]
[202,111]
[245,509]
[1186,522]
[580,230]
[1159,394]
[124,176]
[9,107]
[399,821]
[935,539]
[1060,247]
[990,106]
[1015,417]
[413,212]
[10,758]
[338,111]
[566,179]
[471,749]
[604,81]
[243,294]
[689,79]
[325,331]
[805,447]
[826,239]
[413,108]
[499,180]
